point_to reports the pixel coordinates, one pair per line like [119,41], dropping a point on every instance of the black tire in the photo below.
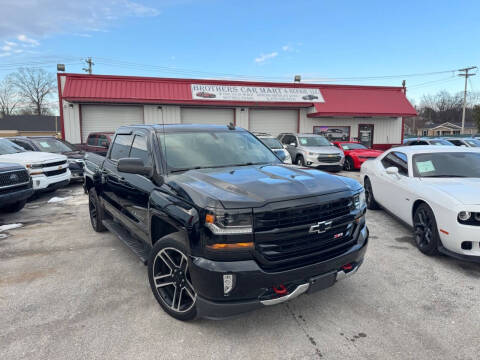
[12,208]
[348,164]
[97,213]
[370,198]
[300,161]
[169,276]
[425,230]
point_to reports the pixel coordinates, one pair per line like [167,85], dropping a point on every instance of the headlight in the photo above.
[229,222]
[469,218]
[312,154]
[464,215]
[359,200]
[33,166]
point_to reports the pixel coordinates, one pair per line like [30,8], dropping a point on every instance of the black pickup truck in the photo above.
[223,225]
[15,187]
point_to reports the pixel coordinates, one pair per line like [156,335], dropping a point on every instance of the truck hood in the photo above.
[255,186]
[31,157]
[464,190]
[4,166]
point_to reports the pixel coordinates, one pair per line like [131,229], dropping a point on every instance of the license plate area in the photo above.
[322,281]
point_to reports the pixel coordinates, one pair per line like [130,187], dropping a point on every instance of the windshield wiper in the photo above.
[186,169]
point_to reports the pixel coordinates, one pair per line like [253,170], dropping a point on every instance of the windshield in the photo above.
[453,164]
[353,146]
[441,142]
[8,147]
[473,142]
[313,141]
[272,143]
[194,150]
[53,145]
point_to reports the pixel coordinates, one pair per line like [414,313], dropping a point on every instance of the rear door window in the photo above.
[121,147]
[92,140]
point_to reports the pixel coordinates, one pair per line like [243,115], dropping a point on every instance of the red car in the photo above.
[355,154]
[205,94]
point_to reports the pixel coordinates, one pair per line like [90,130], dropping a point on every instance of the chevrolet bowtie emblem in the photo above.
[320,227]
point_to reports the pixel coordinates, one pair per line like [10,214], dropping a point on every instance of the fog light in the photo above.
[228,283]
[464,215]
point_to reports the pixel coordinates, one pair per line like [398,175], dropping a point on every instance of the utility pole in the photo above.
[90,63]
[466,75]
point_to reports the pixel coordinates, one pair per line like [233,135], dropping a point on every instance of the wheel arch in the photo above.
[415,206]
[88,183]
[160,228]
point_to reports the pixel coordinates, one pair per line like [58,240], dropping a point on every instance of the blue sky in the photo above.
[328,41]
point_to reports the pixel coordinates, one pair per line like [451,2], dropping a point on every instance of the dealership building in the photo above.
[371,114]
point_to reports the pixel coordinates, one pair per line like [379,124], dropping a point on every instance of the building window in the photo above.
[425,133]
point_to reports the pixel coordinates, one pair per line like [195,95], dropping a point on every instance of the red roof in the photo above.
[364,102]
[339,99]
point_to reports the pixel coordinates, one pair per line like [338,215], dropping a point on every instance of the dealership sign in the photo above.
[255,93]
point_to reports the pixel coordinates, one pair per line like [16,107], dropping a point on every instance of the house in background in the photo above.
[447,129]
[29,125]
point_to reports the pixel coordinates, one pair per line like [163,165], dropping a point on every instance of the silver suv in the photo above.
[312,150]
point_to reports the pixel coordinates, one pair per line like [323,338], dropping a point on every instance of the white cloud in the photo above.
[5,54]
[262,58]
[40,18]
[286,48]
[27,41]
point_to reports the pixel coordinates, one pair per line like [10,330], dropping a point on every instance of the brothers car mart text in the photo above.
[371,114]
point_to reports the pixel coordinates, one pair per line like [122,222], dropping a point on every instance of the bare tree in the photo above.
[35,86]
[8,96]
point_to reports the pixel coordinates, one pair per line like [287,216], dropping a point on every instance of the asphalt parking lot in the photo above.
[67,292]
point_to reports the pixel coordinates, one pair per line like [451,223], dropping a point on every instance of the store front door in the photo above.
[365,134]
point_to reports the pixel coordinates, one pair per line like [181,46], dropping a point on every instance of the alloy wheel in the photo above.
[93,212]
[172,280]
[423,225]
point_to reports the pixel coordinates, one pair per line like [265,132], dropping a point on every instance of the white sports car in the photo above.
[434,189]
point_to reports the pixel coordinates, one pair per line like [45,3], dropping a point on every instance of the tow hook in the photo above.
[347,270]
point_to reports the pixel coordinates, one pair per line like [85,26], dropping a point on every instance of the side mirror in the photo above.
[293,144]
[134,166]
[392,170]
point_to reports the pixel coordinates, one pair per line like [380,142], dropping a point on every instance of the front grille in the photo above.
[13,177]
[58,163]
[55,172]
[283,240]
[329,159]
[302,215]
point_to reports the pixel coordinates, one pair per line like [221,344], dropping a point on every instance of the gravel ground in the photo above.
[67,292]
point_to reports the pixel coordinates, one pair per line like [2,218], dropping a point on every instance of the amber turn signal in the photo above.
[210,219]
[234,246]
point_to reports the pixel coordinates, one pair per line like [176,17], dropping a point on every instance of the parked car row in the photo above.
[35,164]
[448,141]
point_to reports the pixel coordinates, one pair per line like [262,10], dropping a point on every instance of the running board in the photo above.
[140,249]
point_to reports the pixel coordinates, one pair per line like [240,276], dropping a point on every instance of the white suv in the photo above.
[313,150]
[48,171]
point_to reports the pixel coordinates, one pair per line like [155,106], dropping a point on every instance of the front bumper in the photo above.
[312,160]
[15,196]
[43,182]
[253,285]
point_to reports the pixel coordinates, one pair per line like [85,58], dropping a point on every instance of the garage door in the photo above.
[207,116]
[108,118]
[273,121]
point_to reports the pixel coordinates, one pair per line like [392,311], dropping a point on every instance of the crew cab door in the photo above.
[129,193]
